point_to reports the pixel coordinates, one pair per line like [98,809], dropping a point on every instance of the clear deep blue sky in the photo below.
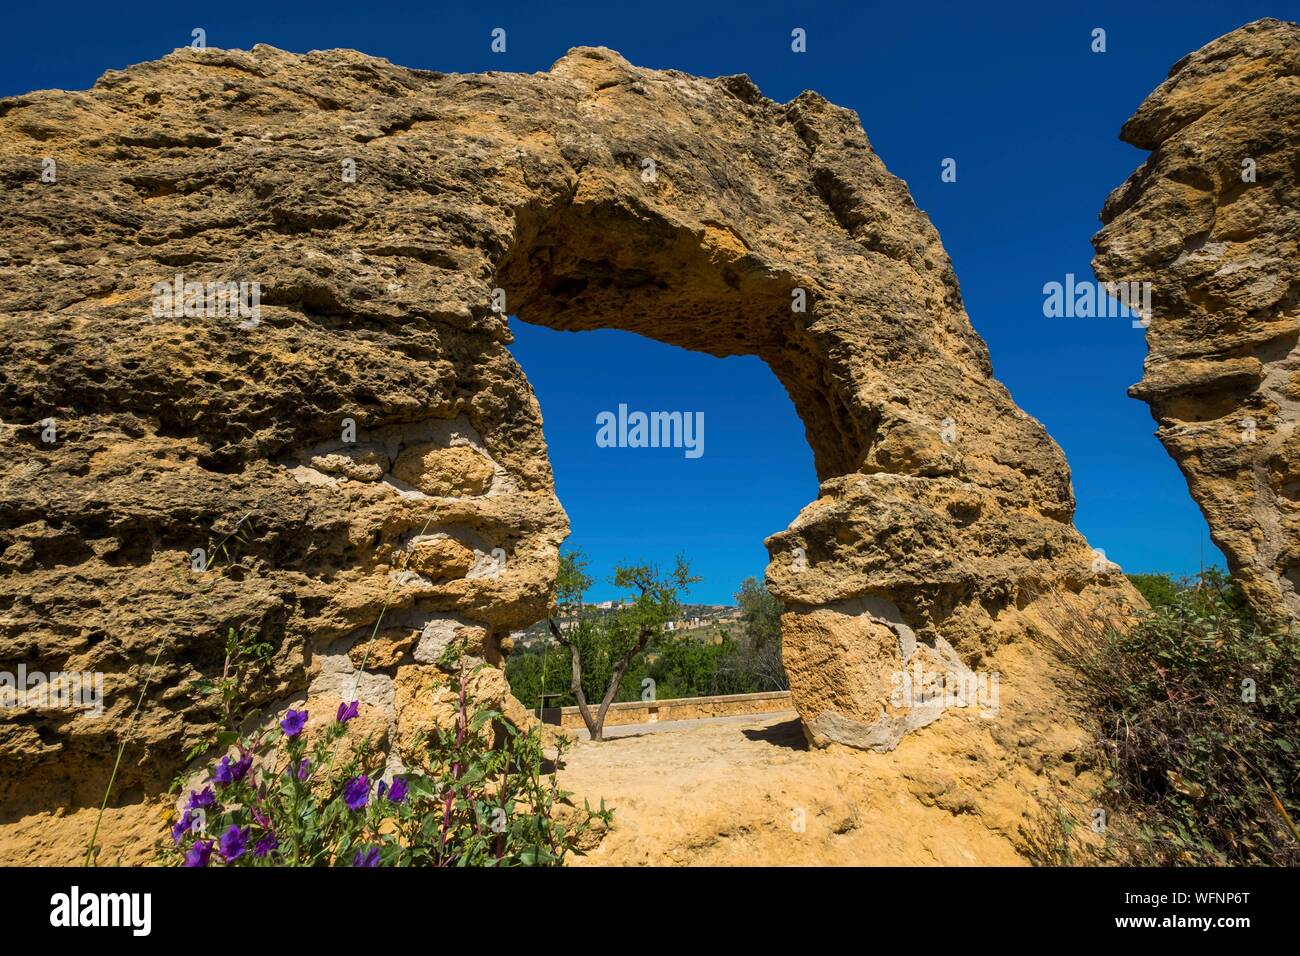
[1011,91]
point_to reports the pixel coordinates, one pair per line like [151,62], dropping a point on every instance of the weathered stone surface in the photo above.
[1222,254]
[429,697]
[359,464]
[693,211]
[385,651]
[447,472]
[439,557]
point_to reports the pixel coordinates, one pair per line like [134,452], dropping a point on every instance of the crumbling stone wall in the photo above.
[1212,221]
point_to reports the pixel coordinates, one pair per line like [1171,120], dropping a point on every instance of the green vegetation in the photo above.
[609,644]
[1210,588]
[757,660]
[1160,590]
[247,657]
[1198,710]
[671,665]
[474,794]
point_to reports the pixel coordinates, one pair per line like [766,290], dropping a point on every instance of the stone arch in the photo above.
[942,526]
[586,268]
[945,511]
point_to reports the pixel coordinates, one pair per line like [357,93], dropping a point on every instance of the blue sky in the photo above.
[1011,91]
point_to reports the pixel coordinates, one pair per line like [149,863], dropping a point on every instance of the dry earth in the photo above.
[727,792]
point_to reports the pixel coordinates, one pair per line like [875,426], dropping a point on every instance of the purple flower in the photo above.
[199,853]
[397,792]
[366,858]
[357,792]
[181,826]
[304,769]
[201,799]
[233,843]
[267,845]
[293,723]
[261,818]
[227,772]
[348,711]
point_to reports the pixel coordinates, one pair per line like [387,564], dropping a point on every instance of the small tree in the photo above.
[760,653]
[617,638]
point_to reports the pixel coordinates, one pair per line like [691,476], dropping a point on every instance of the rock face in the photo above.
[1212,221]
[350,442]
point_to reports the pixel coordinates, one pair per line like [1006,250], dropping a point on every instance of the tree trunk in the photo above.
[642,640]
[576,686]
[596,727]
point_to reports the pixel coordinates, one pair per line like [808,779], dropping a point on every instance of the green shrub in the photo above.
[1160,590]
[1198,711]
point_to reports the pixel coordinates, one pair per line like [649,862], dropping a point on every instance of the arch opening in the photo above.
[583,267]
[614,264]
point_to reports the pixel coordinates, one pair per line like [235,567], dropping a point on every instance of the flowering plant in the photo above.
[476,794]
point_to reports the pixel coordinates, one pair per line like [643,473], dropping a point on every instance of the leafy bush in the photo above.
[247,657]
[1198,708]
[475,796]
[1160,590]
[757,659]
[683,667]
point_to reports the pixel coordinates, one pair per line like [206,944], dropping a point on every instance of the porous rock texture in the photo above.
[1212,221]
[369,446]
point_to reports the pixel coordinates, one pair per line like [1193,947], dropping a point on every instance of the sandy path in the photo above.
[732,792]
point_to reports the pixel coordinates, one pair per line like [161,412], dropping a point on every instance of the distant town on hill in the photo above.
[700,618]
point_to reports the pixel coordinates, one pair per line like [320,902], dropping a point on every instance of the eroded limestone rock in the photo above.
[1212,221]
[372,406]
[446,472]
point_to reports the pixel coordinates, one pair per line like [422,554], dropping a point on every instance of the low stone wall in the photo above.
[682,708]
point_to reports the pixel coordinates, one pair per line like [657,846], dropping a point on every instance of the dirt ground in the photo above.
[749,791]
[735,792]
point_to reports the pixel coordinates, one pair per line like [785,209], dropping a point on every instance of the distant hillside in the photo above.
[705,618]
